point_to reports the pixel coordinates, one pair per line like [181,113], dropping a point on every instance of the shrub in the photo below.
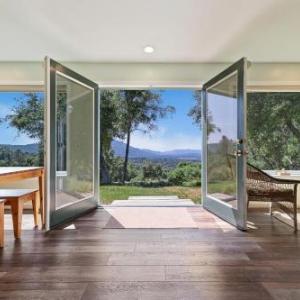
[185,173]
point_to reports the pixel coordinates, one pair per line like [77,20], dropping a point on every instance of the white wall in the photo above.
[155,74]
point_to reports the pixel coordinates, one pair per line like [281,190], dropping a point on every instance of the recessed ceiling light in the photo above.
[148,49]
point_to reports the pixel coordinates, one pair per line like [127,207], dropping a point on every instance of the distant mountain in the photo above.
[119,150]
[29,148]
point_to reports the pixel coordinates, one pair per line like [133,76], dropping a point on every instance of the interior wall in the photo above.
[151,74]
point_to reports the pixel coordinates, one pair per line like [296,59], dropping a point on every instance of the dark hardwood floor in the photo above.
[213,261]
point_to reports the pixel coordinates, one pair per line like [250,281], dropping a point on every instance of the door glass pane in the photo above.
[75,145]
[221,140]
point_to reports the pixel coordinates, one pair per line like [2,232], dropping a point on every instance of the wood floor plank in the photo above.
[214,261]
[85,274]
[283,291]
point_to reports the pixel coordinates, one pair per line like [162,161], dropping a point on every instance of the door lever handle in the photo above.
[240,152]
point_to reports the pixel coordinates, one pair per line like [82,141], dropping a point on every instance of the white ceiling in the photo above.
[179,30]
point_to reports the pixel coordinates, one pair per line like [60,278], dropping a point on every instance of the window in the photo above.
[21,128]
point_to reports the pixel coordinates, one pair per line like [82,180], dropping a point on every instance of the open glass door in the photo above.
[224,145]
[71,144]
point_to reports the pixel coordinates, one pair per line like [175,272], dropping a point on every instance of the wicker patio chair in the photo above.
[282,193]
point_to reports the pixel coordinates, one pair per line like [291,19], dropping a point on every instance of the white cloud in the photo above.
[162,140]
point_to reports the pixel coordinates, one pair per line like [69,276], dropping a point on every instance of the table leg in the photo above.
[41,192]
[17,212]
[1,223]
[35,207]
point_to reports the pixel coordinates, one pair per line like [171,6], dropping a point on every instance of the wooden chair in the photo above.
[2,222]
[16,198]
[281,193]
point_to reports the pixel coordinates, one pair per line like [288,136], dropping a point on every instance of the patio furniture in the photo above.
[1,223]
[16,198]
[282,193]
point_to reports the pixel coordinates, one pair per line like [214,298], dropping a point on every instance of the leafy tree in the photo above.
[139,110]
[196,114]
[28,118]
[116,168]
[152,171]
[274,130]
[109,129]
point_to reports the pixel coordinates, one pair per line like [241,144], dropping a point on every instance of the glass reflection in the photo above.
[74,148]
[221,140]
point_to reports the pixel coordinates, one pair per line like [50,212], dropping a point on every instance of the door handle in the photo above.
[240,152]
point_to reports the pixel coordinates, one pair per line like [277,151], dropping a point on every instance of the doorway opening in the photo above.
[150,147]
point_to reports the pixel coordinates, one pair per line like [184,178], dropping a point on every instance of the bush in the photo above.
[186,173]
[148,183]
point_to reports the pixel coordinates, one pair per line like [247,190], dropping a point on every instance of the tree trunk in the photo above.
[126,155]
[104,171]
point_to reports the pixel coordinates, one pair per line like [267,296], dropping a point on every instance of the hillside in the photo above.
[119,150]
[29,148]
[191,154]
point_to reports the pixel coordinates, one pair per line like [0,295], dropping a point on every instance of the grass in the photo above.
[226,187]
[108,193]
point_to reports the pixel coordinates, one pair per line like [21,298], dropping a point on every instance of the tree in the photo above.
[139,110]
[152,171]
[196,114]
[274,130]
[109,129]
[28,118]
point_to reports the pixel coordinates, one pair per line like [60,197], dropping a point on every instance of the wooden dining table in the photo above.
[14,174]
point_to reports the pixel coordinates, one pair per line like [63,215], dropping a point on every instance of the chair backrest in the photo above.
[257,174]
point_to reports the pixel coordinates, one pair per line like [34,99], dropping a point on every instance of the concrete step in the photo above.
[153,203]
[152,197]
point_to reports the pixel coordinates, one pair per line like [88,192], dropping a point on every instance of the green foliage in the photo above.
[186,173]
[148,173]
[139,110]
[116,168]
[274,130]
[153,171]
[220,165]
[109,128]
[28,118]
[196,114]
[122,112]
[148,183]
[17,158]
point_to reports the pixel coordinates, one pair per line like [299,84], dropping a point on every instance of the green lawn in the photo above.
[226,187]
[108,193]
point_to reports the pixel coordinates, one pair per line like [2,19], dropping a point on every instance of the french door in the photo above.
[225,145]
[71,144]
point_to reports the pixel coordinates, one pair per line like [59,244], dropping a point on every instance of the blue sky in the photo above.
[9,135]
[174,132]
[223,111]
